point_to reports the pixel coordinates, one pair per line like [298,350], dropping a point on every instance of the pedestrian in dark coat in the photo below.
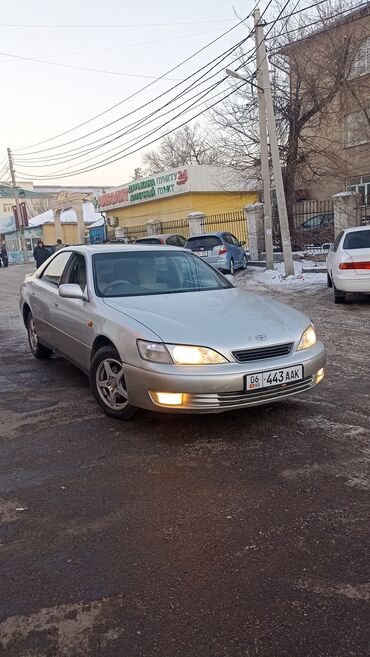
[40,253]
[4,255]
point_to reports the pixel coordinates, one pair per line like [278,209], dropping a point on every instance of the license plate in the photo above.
[274,377]
[204,254]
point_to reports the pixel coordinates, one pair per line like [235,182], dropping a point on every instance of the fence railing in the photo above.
[232,222]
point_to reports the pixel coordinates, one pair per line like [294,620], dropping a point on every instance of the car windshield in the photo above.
[358,239]
[139,273]
[207,242]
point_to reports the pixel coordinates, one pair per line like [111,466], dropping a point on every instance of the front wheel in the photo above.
[108,384]
[245,262]
[231,267]
[37,349]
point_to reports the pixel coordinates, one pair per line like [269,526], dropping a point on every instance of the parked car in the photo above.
[316,231]
[164,240]
[348,263]
[221,250]
[161,329]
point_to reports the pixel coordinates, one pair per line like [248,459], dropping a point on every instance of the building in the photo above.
[336,139]
[169,197]
[43,227]
[38,198]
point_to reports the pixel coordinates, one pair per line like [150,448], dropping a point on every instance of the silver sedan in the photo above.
[161,329]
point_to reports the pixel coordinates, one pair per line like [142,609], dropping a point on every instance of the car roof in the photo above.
[160,236]
[91,249]
[355,229]
[215,234]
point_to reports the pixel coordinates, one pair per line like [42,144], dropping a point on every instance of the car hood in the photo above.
[227,319]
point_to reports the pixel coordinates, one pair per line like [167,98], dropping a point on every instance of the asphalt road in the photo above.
[237,535]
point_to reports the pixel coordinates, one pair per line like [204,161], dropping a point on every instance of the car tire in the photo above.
[328,280]
[38,350]
[245,262]
[231,267]
[106,367]
[339,296]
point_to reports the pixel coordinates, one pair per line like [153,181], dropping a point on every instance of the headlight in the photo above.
[308,338]
[189,355]
[156,352]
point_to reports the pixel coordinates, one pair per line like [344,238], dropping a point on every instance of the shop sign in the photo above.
[146,189]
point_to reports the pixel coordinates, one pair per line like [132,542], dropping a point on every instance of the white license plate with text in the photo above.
[274,377]
[203,254]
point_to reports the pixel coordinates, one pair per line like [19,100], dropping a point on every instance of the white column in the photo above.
[254,215]
[153,227]
[58,225]
[196,223]
[346,211]
[80,222]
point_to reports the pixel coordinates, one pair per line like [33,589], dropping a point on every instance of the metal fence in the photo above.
[233,222]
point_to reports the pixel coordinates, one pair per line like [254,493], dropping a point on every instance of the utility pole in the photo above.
[276,165]
[265,168]
[20,216]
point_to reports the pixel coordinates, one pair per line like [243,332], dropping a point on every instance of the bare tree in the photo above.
[188,145]
[315,85]
[39,205]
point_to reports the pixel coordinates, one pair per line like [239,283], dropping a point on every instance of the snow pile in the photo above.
[276,277]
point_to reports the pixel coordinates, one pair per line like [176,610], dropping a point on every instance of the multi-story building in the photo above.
[335,143]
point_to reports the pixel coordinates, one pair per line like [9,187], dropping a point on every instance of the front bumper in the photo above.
[218,392]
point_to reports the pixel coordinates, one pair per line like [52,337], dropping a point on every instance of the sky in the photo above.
[146,38]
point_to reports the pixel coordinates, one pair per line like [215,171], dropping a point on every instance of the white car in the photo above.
[348,263]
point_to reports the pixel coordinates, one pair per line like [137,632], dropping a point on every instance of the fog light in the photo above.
[167,398]
[320,375]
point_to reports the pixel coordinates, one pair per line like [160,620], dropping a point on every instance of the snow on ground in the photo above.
[276,278]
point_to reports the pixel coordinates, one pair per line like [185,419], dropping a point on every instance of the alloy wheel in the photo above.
[110,384]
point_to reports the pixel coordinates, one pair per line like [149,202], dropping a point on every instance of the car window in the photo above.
[233,240]
[358,239]
[53,272]
[314,222]
[227,238]
[153,272]
[76,272]
[175,240]
[204,242]
[149,240]
[336,241]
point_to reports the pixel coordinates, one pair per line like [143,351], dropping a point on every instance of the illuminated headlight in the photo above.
[308,338]
[190,355]
[156,352]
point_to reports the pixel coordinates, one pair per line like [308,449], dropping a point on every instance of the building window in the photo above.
[7,207]
[361,64]
[360,185]
[357,127]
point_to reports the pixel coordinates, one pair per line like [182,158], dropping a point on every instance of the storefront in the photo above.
[173,195]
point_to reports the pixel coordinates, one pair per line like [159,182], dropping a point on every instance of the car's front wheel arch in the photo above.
[100,342]
[25,313]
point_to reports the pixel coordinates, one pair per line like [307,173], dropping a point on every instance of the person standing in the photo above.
[59,245]
[4,255]
[40,253]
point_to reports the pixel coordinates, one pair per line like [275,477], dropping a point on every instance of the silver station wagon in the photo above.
[161,329]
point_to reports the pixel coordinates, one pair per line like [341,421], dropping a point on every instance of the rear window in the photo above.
[148,240]
[206,242]
[359,239]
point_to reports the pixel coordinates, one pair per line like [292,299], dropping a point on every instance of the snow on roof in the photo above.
[96,224]
[67,216]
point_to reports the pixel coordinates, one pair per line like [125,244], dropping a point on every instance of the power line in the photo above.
[127,25]
[84,68]
[136,124]
[109,109]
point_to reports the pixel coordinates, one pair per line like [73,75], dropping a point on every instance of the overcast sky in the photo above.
[41,100]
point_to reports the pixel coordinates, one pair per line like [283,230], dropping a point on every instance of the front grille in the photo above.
[224,400]
[276,350]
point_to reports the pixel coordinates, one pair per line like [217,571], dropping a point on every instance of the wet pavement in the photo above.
[237,535]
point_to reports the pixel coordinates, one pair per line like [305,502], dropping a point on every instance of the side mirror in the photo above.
[328,246]
[242,243]
[231,279]
[71,291]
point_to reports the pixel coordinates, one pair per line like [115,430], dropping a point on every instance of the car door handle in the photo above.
[55,304]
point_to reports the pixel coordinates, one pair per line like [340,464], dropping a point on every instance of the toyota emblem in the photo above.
[261,337]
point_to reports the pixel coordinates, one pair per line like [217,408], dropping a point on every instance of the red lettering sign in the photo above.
[114,197]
